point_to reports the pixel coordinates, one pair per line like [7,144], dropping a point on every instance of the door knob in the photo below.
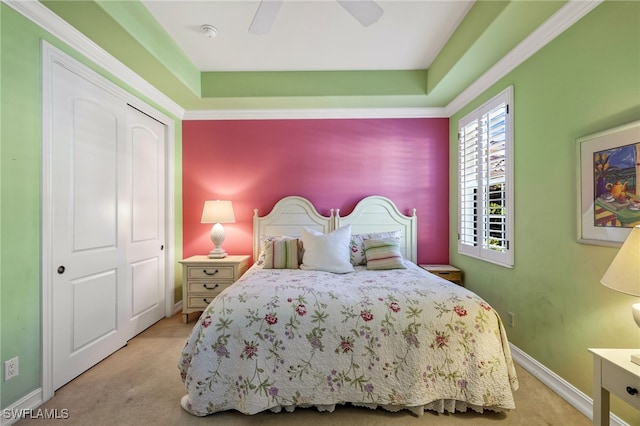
[61,269]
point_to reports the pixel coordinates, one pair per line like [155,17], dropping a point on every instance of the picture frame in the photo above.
[608,193]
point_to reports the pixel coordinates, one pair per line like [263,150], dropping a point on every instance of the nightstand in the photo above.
[448,272]
[613,372]
[204,278]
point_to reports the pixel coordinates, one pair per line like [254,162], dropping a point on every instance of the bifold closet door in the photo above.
[145,252]
[89,284]
[108,178]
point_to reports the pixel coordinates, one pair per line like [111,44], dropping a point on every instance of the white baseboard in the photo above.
[177,307]
[24,405]
[564,389]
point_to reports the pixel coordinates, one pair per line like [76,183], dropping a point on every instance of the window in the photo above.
[485,179]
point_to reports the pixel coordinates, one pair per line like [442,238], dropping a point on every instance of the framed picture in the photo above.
[609,195]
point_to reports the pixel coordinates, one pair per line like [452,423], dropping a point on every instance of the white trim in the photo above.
[557,384]
[31,401]
[564,18]
[46,223]
[479,248]
[315,113]
[177,307]
[52,23]
[52,55]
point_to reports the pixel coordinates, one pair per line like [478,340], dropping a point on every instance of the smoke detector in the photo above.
[209,30]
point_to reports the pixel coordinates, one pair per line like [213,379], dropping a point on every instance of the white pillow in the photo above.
[327,252]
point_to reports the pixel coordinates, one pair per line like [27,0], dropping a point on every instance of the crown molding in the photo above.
[564,18]
[58,27]
[320,113]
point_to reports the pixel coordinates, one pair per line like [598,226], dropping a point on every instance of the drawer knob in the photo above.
[207,301]
[210,288]
[210,273]
[632,391]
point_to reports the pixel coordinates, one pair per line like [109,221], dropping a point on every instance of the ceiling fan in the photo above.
[366,12]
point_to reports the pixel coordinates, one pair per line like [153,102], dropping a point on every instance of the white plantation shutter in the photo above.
[469,183]
[485,205]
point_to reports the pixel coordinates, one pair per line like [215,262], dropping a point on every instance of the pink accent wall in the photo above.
[333,163]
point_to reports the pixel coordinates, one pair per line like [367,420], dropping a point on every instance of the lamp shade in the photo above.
[623,274]
[218,212]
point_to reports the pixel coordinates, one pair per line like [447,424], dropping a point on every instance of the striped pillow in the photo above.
[281,254]
[357,244]
[383,253]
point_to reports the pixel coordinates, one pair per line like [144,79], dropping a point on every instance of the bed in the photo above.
[294,332]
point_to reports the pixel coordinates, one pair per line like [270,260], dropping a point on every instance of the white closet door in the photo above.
[145,251]
[90,282]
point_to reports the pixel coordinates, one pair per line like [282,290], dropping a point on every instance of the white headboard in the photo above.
[371,214]
[288,217]
[378,214]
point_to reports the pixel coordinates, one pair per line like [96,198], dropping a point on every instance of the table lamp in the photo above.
[623,274]
[217,212]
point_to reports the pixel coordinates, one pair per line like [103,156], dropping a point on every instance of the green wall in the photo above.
[586,80]
[20,124]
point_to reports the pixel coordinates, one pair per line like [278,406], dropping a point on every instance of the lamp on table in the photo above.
[217,212]
[623,274]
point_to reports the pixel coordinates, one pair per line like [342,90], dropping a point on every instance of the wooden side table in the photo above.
[448,272]
[614,372]
[204,278]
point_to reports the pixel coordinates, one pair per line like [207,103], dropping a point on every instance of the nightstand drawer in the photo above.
[207,287]
[200,301]
[449,276]
[217,272]
[617,380]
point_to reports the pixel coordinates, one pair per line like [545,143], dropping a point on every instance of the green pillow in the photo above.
[383,253]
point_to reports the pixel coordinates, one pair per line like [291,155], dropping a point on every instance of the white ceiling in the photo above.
[312,35]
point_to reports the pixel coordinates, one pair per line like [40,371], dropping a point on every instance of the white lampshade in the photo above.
[217,212]
[623,274]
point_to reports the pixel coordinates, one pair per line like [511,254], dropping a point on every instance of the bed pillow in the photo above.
[265,240]
[357,244]
[383,253]
[327,252]
[281,253]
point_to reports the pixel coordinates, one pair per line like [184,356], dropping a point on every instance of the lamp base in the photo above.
[217,238]
[217,253]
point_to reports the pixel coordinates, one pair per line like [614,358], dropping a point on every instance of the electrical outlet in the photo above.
[511,319]
[11,368]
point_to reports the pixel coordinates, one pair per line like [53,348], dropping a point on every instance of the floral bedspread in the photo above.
[397,339]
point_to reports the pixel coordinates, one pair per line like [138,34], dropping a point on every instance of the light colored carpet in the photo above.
[140,385]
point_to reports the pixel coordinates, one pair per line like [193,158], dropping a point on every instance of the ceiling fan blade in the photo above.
[366,12]
[265,16]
